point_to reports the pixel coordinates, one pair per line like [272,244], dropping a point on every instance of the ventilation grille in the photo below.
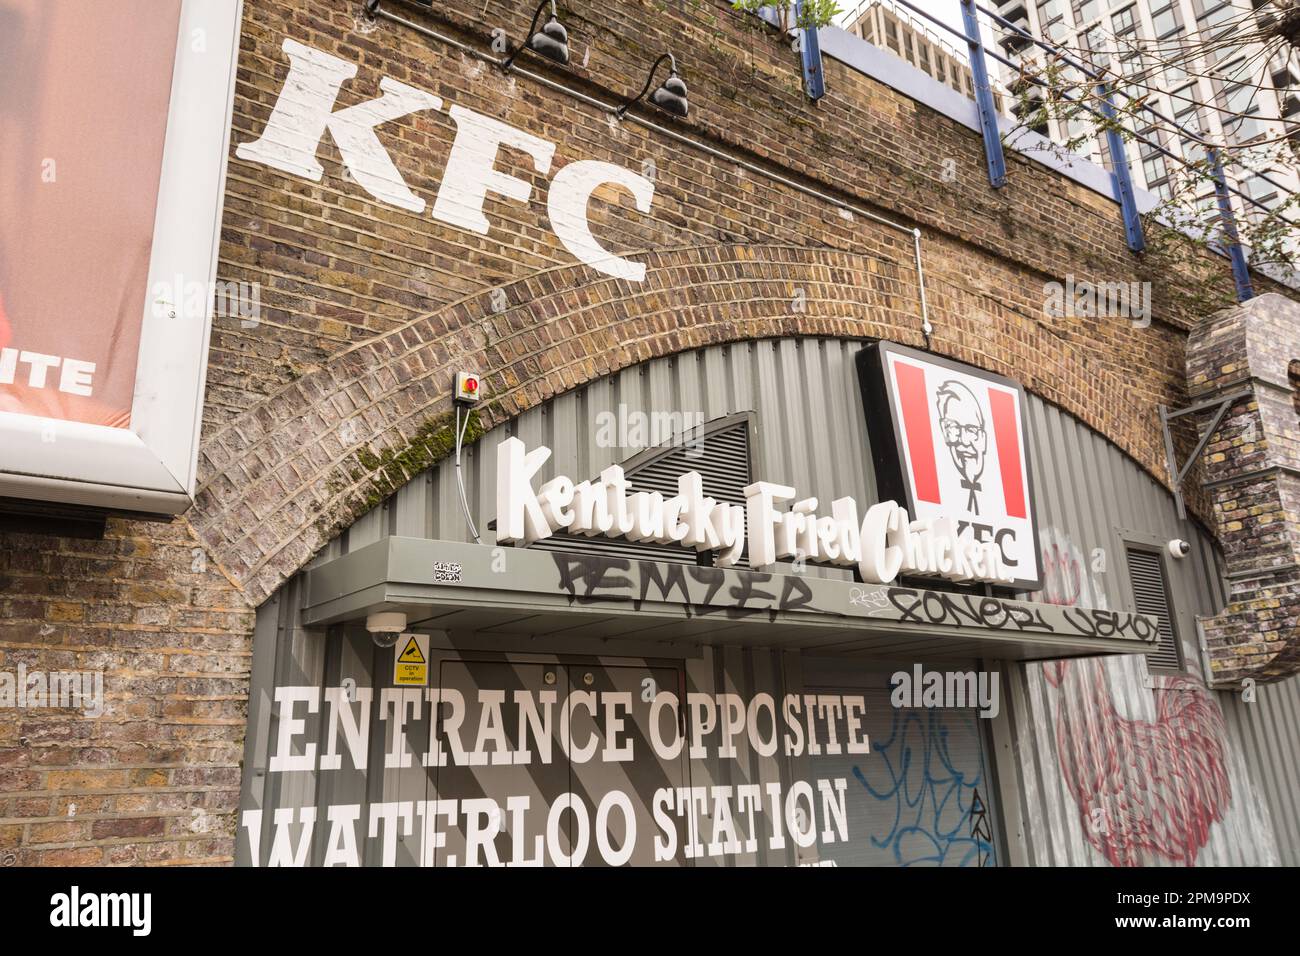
[1147,575]
[722,460]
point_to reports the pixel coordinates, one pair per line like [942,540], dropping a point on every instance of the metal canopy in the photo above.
[457,587]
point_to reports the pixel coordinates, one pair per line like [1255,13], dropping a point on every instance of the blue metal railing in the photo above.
[810,56]
[997,163]
[1121,171]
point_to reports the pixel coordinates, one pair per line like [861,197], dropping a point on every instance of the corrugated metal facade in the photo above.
[1114,763]
[1095,760]
[1264,730]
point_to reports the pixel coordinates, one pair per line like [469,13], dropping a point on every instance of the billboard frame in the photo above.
[151,465]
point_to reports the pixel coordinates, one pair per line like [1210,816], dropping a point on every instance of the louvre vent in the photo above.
[1147,575]
[722,459]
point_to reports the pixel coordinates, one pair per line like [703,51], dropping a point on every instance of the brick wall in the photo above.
[156,776]
[337,394]
[1252,468]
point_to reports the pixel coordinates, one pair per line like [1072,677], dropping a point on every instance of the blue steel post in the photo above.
[810,52]
[1121,175]
[984,97]
[1240,271]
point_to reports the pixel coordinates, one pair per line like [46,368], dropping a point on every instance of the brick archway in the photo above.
[284,478]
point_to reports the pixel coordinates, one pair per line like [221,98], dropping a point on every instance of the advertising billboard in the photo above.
[115,121]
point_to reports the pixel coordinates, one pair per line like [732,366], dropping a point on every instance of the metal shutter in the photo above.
[922,797]
[1151,595]
[723,468]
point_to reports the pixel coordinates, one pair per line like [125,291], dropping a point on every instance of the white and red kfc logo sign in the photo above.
[958,441]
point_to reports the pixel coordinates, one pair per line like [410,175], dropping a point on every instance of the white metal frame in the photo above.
[150,466]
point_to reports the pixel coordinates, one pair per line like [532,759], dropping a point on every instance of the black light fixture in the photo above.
[669,97]
[551,41]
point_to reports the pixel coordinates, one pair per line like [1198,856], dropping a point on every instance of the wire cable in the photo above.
[460,477]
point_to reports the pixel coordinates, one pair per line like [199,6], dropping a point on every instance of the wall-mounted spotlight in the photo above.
[669,97]
[551,41]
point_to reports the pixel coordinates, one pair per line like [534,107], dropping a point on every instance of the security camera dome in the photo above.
[386,627]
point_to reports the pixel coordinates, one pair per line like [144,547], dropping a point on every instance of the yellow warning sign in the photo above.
[411,664]
[412,654]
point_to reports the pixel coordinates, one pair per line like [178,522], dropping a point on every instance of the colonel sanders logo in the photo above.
[957,435]
[961,420]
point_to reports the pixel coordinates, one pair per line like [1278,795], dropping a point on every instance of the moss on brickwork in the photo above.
[374,477]
[433,441]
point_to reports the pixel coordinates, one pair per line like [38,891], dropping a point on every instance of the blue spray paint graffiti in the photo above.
[940,817]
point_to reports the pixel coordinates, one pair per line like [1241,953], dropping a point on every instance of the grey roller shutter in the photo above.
[922,796]
[1151,596]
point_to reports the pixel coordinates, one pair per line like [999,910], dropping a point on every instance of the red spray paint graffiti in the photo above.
[1063,574]
[1141,787]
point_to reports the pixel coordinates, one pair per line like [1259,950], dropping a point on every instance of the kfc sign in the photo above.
[776,522]
[949,440]
[306,110]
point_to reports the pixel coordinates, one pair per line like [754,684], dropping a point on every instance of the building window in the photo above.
[1217,19]
[1259,189]
[1146,572]
[1188,116]
[1156,173]
[1293,374]
[1207,213]
[1241,99]
[1051,20]
[1093,46]
[1125,22]
[1173,75]
[1085,11]
[1263,192]
[1079,131]
[1167,21]
[1138,67]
